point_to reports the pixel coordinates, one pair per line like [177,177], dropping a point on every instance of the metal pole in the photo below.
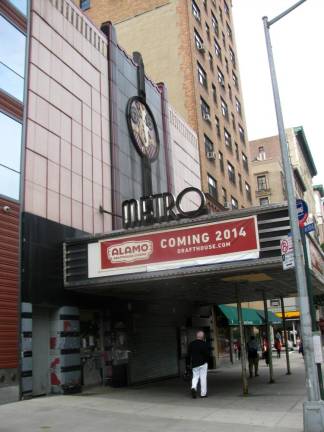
[312,307]
[286,12]
[305,318]
[266,317]
[243,349]
[285,335]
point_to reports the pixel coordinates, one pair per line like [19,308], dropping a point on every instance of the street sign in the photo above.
[287,253]
[308,228]
[302,211]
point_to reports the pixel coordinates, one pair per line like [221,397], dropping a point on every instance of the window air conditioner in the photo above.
[211,155]
[227,205]
[201,49]
[206,116]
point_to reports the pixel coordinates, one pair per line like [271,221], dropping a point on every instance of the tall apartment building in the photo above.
[190,46]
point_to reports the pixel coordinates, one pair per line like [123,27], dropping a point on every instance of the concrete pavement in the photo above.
[167,406]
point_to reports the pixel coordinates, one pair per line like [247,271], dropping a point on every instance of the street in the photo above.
[168,406]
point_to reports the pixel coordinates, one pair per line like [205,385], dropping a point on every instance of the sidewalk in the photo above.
[167,406]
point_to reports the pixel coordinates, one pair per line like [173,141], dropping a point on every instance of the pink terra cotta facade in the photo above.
[67,172]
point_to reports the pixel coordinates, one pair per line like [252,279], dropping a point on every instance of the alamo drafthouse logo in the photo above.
[130,251]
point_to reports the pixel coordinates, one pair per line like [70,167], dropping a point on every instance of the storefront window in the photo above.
[12,59]
[10,150]
[21,5]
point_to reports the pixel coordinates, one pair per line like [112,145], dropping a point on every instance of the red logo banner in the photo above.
[213,242]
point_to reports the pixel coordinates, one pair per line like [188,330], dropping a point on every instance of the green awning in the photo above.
[273,319]
[250,316]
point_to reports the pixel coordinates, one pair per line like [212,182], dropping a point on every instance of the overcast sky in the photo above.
[297,42]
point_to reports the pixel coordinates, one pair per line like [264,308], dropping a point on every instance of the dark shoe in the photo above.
[193,393]
[256,374]
[202,397]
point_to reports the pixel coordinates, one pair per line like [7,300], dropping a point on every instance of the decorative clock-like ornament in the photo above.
[142,128]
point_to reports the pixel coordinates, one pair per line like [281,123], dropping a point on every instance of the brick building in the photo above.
[190,46]
[267,170]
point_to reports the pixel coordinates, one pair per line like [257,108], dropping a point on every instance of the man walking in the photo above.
[198,355]
[253,356]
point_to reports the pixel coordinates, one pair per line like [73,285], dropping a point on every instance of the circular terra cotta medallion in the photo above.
[142,128]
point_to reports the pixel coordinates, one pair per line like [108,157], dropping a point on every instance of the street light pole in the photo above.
[312,385]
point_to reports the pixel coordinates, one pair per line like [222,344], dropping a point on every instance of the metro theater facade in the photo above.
[115,267]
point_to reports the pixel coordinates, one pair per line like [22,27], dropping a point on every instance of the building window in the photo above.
[205,4]
[228,139]
[248,191]
[238,106]
[221,78]
[229,31]
[214,24]
[264,201]
[230,92]
[202,76]
[209,146]
[84,4]
[224,108]
[262,154]
[233,121]
[212,187]
[232,57]
[221,161]
[224,197]
[21,5]
[245,162]
[235,80]
[226,65]
[205,110]
[234,203]
[217,126]
[220,13]
[240,182]
[262,183]
[214,93]
[195,11]
[237,152]
[211,62]
[218,50]
[226,9]
[198,41]
[224,40]
[10,150]
[207,30]
[231,172]
[12,59]
[242,134]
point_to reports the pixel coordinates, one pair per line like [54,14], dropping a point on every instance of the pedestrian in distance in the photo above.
[253,356]
[198,355]
[301,348]
[278,347]
[265,349]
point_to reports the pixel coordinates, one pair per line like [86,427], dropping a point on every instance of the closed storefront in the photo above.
[154,350]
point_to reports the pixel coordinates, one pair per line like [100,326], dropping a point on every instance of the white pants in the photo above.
[200,373]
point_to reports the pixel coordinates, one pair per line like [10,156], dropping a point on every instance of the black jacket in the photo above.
[198,353]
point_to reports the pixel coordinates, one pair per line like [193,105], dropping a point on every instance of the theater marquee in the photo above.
[210,243]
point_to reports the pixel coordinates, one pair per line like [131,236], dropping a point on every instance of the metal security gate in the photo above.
[40,344]
[154,353]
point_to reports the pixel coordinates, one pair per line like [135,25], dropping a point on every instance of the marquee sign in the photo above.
[214,242]
[157,208]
